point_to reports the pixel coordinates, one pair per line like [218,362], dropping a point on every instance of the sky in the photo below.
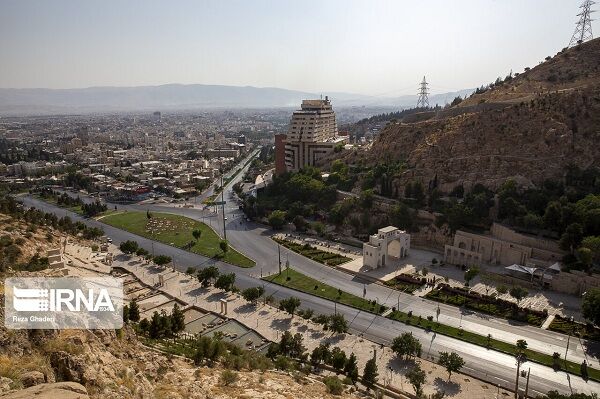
[373,47]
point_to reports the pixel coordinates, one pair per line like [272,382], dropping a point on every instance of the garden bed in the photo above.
[318,255]
[566,326]
[486,304]
[406,283]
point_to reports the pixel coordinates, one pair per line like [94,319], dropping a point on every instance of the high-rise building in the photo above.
[313,134]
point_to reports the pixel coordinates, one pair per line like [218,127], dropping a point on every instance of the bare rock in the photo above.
[67,367]
[62,390]
[5,384]
[32,378]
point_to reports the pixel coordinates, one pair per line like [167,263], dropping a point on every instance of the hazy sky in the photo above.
[370,46]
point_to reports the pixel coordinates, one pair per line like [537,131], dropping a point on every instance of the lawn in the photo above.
[318,255]
[177,230]
[300,282]
[491,343]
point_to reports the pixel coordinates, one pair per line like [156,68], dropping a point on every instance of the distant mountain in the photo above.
[178,97]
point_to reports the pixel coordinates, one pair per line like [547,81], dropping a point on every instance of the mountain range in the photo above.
[173,97]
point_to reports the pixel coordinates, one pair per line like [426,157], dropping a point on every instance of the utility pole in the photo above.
[223,209]
[583,29]
[279,254]
[423,101]
[527,383]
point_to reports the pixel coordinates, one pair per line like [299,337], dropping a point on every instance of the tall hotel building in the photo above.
[313,134]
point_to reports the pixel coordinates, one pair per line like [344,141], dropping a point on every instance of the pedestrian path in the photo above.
[271,323]
[548,321]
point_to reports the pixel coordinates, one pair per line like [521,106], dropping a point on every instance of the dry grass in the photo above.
[12,367]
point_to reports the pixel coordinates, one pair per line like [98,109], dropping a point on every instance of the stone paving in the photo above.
[271,323]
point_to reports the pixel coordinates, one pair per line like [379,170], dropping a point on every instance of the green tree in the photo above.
[197,233]
[572,237]
[585,256]
[593,244]
[290,305]
[521,357]
[553,216]
[338,359]
[452,362]
[225,282]
[402,217]
[161,260]
[518,293]
[134,311]
[300,223]
[366,199]
[177,319]
[208,275]
[370,374]
[129,246]
[417,379]
[277,219]
[224,246]
[590,306]
[319,228]
[351,368]
[406,345]
[338,324]
[252,294]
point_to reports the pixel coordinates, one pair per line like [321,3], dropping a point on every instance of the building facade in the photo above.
[388,246]
[502,246]
[312,134]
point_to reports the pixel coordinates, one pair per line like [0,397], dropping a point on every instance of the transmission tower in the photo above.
[583,31]
[423,101]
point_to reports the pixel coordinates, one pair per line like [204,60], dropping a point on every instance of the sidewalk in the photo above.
[271,323]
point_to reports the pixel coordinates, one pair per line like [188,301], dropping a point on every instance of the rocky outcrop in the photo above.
[57,390]
[532,128]
[32,378]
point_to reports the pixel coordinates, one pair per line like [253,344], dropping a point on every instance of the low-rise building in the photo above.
[502,246]
[389,245]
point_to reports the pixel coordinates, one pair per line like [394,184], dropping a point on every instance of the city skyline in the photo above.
[379,48]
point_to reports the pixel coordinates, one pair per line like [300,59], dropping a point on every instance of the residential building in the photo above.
[313,134]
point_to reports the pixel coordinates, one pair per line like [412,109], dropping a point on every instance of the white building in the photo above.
[388,246]
[313,134]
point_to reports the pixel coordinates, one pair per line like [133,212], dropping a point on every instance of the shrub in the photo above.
[228,377]
[334,385]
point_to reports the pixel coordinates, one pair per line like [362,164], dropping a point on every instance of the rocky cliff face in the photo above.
[530,128]
[103,364]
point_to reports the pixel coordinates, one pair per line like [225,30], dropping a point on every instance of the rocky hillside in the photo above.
[82,364]
[530,127]
[103,364]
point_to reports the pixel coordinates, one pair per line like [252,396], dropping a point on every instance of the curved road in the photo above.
[254,240]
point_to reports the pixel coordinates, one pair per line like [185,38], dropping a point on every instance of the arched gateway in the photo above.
[388,246]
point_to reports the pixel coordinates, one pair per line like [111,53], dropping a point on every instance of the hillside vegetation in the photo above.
[529,127]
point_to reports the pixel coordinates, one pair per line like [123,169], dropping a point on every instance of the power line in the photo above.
[423,101]
[583,30]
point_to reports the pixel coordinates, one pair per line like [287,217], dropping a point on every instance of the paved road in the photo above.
[490,366]
[254,240]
